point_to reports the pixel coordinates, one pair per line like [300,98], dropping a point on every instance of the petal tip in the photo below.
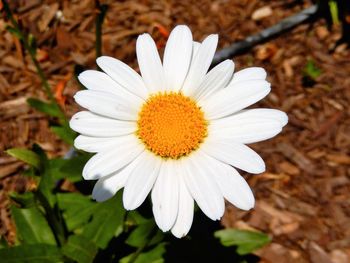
[182,27]
[77,96]
[164,228]
[260,169]
[126,203]
[179,234]
[284,119]
[102,60]
[212,39]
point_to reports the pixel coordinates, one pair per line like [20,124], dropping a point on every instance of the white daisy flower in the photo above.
[177,131]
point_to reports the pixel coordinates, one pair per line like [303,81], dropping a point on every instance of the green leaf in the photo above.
[311,70]
[55,165]
[26,156]
[3,243]
[47,182]
[47,108]
[107,219]
[32,226]
[65,133]
[46,196]
[72,169]
[246,241]
[135,218]
[45,188]
[80,249]
[154,255]
[39,253]
[140,235]
[78,209]
[25,200]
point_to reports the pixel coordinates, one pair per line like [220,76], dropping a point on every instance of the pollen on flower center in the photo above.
[171,125]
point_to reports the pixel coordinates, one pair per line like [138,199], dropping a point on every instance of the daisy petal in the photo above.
[99,81]
[149,62]
[262,113]
[94,125]
[185,212]
[215,80]
[244,130]
[123,75]
[235,154]
[107,104]
[141,180]
[232,185]
[196,46]
[106,187]
[200,183]
[253,73]
[232,99]
[99,144]
[200,65]
[177,57]
[111,160]
[165,196]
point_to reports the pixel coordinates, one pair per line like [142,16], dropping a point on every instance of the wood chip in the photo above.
[289,168]
[14,107]
[262,12]
[9,169]
[49,14]
[297,157]
[339,256]
[317,254]
[339,158]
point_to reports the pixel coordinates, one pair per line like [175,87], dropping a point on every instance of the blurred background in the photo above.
[303,197]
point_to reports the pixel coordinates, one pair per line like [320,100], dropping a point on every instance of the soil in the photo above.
[302,200]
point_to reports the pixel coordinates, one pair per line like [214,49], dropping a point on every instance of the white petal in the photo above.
[111,160]
[215,80]
[233,99]
[235,154]
[202,186]
[185,212]
[90,124]
[108,186]
[165,196]
[177,57]
[262,113]
[253,73]
[141,180]
[149,62]
[99,144]
[244,130]
[123,75]
[232,185]
[200,65]
[196,46]
[99,81]
[107,104]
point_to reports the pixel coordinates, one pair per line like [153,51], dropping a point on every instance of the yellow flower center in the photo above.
[171,125]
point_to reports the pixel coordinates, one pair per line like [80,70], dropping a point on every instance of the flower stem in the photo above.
[53,220]
[101,9]
[141,248]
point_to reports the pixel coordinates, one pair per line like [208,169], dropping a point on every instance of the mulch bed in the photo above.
[302,199]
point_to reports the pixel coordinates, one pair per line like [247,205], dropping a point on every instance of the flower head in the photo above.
[177,132]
